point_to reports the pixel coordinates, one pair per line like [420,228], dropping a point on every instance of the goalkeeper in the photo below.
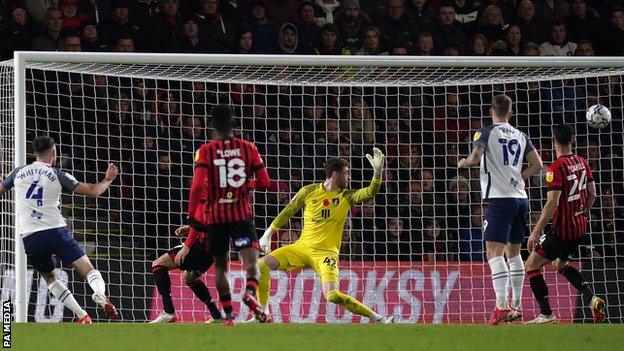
[325,208]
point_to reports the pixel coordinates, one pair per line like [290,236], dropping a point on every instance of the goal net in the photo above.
[416,251]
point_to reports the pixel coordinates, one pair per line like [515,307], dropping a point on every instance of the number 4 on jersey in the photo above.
[31,194]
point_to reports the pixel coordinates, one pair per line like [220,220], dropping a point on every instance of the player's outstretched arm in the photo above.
[97,189]
[472,159]
[547,213]
[296,203]
[365,194]
[591,196]
[535,164]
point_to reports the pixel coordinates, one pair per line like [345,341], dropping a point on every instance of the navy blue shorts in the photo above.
[505,220]
[40,246]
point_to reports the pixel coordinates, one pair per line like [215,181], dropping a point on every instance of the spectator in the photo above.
[263,30]
[71,43]
[371,43]
[425,44]
[234,11]
[245,42]
[362,124]
[434,243]
[214,28]
[530,49]
[190,40]
[18,34]
[163,27]
[513,40]
[533,30]
[282,11]
[583,22]
[479,46]
[351,21]
[548,11]
[466,13]
[401,48]
[613,42]
[423,15]
[447,31]
[49,40]
[120,24]
[471,246]
[124,44]
[72,19]
[38,8]
[492,24]
[324,11]
[91,39]
[308,31]
[396,25]
[289,41]
[330,42]
[584,48]
[558,45]
[394,243]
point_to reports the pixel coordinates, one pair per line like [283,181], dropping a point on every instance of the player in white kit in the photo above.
[501,150]
[43,228]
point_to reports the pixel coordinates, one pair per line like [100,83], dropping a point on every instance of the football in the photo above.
[598,116]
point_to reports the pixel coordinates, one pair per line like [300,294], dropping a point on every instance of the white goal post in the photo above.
[408,96]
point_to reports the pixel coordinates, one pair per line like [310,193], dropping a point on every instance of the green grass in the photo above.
[316,337]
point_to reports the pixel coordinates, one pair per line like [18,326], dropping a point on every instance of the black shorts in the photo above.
[197,260]
[552,247]
[243,235]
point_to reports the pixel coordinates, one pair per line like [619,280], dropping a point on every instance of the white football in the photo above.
[598,116]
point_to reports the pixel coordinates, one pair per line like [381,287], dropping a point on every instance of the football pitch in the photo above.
[316,337]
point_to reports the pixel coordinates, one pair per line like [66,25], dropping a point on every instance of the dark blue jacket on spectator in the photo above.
[308,34]
[448,35]
[264,35]
[218,30]
[404,29]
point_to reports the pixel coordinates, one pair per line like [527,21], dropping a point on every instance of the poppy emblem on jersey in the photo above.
[550,176]
[325,202]
[197,156]
[335,201]
[477,136]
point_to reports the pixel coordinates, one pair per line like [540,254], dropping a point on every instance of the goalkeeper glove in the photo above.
[265,240]
[377,161]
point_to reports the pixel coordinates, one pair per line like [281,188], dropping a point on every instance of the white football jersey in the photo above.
[501,164]
[38,188]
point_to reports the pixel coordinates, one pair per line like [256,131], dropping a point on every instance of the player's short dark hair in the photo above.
[222,118]
[501,104]
[42,144]
[563,133]
[334,164]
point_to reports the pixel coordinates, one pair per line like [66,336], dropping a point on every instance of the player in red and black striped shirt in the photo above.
[219,205]
[571,193]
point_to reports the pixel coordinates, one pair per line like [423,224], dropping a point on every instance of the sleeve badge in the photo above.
[476,136]
[196,155]
[550,176]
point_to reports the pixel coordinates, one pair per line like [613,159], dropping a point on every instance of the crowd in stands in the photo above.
[323,27]
[428,209]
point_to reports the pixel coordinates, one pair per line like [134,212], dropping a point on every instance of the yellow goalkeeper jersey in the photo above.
[324,213]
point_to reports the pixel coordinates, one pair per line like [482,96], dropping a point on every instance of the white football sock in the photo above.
[60,291]
[516,274]
[96,282]
[500,280]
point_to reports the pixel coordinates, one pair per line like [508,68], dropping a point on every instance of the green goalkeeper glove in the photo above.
[376,161]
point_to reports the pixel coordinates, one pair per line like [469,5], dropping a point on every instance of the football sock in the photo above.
[201,291]
[252,284]
[264,285]
[351,304]
[516,274]
[163,284]
[576,279]
[540,291]
[96,282]
[60,291]
[500,280]
[226,304]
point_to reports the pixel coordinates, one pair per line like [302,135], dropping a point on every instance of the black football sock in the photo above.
[226,304]
[540,291]
[201,291]
[576,279]
[163,284]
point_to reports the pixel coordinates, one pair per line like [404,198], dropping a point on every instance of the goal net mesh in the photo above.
[416,251]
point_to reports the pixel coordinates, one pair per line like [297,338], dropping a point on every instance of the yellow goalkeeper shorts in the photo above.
[297,256]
